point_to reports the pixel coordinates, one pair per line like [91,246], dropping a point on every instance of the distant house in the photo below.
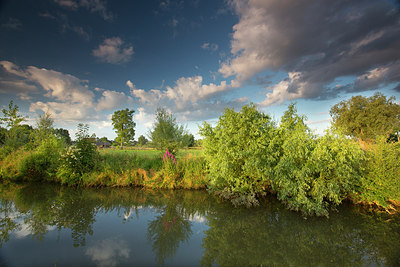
[103,144]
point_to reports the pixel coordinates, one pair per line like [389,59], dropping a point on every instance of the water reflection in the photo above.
[110,227]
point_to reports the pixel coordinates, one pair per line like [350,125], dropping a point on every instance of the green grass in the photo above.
[150,153]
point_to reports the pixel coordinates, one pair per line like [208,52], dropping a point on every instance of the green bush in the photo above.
[315,173]
[241,154]
[381,182]
[43,163]
[79,159]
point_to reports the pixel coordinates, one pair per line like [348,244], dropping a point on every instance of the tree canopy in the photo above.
[367,117]
[166,133]
[124,125]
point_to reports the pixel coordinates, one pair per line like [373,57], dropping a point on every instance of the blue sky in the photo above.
[83,59]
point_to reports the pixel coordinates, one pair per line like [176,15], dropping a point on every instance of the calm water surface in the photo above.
[50,225]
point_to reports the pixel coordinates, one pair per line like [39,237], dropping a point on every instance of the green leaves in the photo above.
[124,126]
[367,117]
[247,155]
[237,150]
[11,117]
[166,133]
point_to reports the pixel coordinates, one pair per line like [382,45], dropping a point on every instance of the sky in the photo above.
[81,60]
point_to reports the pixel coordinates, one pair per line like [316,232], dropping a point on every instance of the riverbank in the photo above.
[116,168]
[188,170]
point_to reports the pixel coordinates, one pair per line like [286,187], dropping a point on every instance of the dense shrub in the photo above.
[241,154]
[79,159]
[316,173]
[247,155]
[381,182]
[43,163]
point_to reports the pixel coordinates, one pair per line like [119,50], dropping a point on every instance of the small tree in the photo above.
[44,128]
[166,133]
[17,134]
[122,121]
[11,117]
[142,140]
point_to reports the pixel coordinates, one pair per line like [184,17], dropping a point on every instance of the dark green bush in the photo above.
[43,163]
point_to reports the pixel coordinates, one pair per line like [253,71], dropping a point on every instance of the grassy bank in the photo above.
[111,168]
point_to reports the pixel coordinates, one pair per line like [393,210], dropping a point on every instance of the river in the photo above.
[52,225]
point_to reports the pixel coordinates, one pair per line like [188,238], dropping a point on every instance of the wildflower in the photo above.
[168,155]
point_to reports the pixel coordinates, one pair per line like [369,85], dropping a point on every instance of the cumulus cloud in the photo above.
[315,42]
[187,91]
[144,118]
[114,51]
[69,98]
[112,99]
[190,99]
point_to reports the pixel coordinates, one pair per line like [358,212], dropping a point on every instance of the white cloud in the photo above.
[186,91]
[65,111]
[130,85]
[62,87]
[281,92]
[144,118]
[70,98]
[108,252]
[102,124]
[12,68]
[112,99]
[114,51]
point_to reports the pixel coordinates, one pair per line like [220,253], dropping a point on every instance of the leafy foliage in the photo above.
[123,124]
[11,117]
[78,160]
[43,163]
[381,183]
[248,155]
[241,153]
[166,133]
[367,117]
[44,129]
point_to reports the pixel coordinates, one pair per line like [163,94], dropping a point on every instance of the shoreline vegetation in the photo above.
[245,156]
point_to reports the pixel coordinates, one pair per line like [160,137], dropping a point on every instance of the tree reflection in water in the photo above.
[267,235]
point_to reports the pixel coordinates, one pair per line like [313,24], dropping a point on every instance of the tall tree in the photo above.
[367,117]
[166,133]
[124,125]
